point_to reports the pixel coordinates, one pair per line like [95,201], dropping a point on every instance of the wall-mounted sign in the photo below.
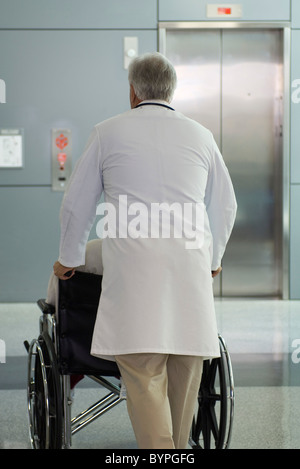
[11,148]
[228,10]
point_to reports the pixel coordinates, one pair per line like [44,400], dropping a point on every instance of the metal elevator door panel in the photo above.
[231,81]
[252,91]
[196,56]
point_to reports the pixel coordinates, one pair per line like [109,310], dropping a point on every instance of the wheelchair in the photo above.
[61,353]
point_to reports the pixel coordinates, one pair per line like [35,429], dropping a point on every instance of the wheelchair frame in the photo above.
[51,425]
[48,388]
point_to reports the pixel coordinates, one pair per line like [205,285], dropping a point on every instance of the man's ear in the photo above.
[134,100]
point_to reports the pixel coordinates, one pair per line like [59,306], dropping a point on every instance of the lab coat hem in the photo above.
[110,356]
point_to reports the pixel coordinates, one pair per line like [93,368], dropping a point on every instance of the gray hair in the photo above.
[152,77]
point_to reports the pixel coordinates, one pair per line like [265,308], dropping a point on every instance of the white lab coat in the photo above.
[157,295]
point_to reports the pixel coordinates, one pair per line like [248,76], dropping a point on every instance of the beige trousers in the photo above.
[162,393]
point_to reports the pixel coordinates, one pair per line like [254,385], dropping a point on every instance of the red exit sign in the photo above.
[230,10]
[224,11]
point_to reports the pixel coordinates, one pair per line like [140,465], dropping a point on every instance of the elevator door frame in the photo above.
[286,30]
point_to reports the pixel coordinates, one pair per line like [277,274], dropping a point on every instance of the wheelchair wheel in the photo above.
[44,395]
[212,423]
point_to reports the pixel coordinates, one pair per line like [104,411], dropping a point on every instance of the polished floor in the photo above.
[263,337]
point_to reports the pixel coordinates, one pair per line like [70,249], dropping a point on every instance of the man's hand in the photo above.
[214,273]
[60,271]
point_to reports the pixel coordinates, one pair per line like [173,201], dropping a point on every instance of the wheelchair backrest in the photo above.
[77,309]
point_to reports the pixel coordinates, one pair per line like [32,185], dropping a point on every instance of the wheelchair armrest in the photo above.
[45,307]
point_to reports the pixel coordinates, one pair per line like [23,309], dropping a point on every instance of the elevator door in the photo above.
[231,81]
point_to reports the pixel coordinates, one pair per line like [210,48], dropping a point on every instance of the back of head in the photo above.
[152,77]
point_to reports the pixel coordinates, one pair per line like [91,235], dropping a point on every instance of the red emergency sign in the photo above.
[61,158]
[224,11]
[61,142]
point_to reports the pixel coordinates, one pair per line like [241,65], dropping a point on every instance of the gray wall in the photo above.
[62,61]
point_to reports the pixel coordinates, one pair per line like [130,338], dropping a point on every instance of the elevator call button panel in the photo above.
[61,158]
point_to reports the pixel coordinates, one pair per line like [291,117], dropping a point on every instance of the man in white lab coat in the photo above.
[171,208]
